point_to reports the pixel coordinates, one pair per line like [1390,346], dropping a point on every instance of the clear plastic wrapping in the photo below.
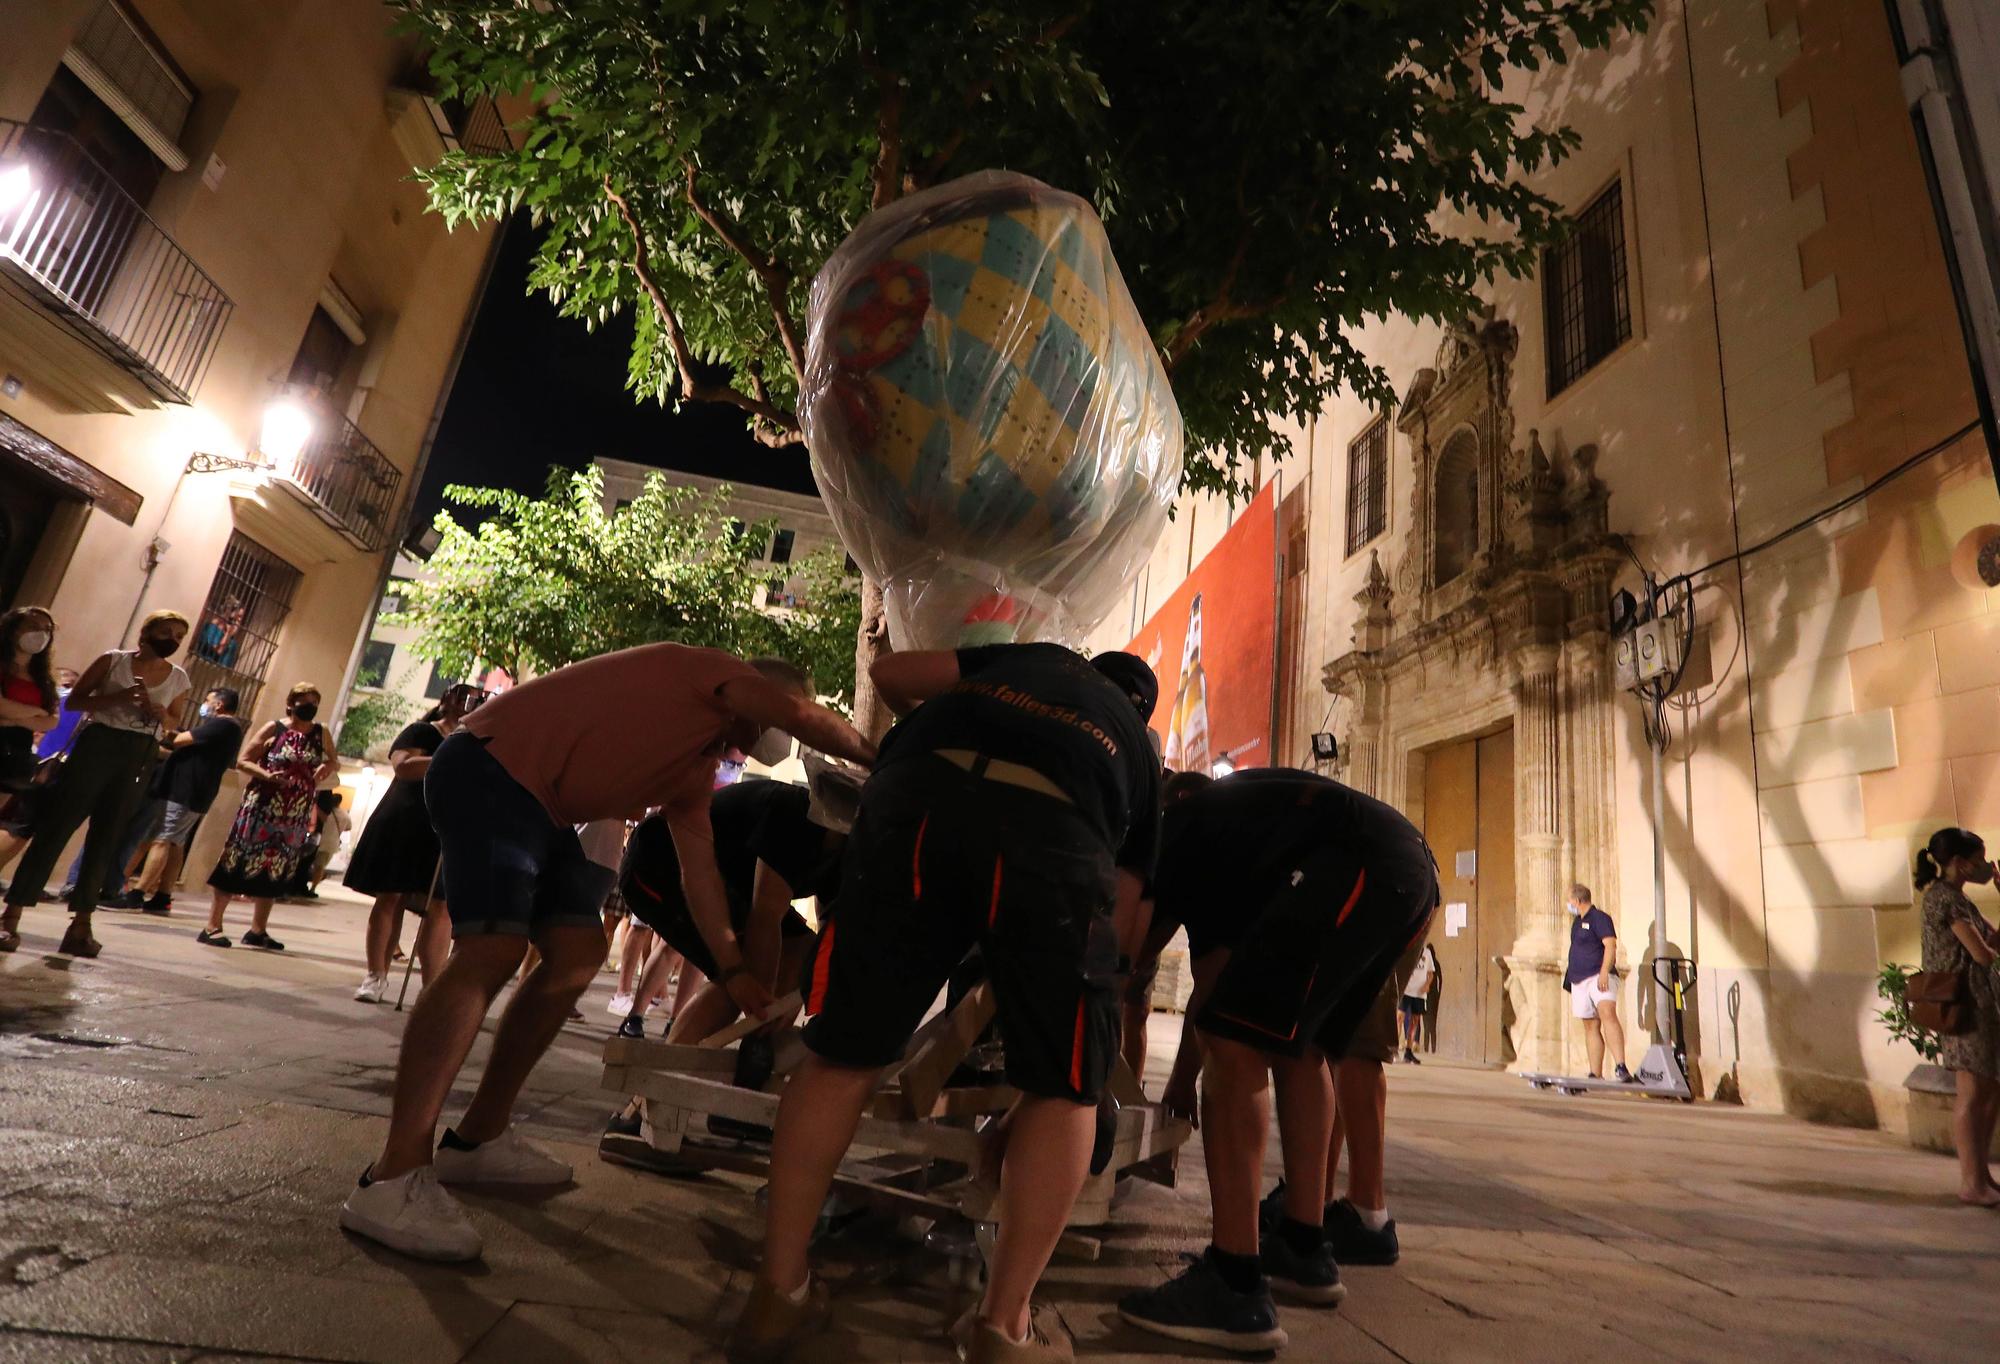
[989,421]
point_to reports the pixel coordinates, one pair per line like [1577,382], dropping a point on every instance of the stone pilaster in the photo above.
[1533,965]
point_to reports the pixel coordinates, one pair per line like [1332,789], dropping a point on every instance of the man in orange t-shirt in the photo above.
[606,738]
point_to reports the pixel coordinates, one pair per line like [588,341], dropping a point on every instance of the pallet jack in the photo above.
[1663,1074]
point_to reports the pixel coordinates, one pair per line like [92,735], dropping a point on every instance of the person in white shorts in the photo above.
[1592,982]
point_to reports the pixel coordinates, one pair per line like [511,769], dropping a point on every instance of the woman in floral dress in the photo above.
[271,830]
[1958,938]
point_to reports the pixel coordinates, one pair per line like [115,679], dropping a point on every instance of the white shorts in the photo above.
[1584,997]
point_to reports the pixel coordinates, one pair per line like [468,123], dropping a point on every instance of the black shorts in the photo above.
[941,861]
[1414,1004]
[1313,962]
[510,868]
[654,897]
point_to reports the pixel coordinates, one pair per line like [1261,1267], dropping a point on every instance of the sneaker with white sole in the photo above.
[619,1006]
[413,1215]
[509,1158]
[371,989]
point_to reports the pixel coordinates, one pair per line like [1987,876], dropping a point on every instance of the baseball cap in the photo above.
[1131,676]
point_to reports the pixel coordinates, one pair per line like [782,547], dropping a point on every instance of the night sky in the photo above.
[537,389]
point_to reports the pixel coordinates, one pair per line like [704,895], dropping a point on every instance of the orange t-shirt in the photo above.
[611,736]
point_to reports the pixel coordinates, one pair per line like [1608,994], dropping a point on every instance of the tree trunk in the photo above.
[871,716]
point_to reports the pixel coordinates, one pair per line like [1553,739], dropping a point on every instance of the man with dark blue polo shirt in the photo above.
[1592,982]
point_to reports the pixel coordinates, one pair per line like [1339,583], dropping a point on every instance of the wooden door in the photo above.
[1451,826]
[26,505]
[1493,910]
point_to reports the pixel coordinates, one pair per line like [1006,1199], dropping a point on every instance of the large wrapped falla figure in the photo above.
[989,421]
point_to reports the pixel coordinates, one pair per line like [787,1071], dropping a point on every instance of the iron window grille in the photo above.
[1586,302]
[1368,484]
[237,635]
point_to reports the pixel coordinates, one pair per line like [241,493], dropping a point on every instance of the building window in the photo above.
[375,660]
[1455,509]
[1368,484]
[440,683]
[781,546]
[328,361]
[392,599]
[1586,306]
[238,632]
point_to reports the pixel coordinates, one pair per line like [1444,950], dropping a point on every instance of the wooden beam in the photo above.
[940,1046]
[748,1024]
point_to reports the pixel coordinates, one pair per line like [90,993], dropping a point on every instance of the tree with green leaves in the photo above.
[542,582]
[1270,173]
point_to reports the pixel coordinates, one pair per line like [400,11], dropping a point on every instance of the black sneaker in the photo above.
[124,899]
[160,903]
[209,937]
[252,938]
[1271,1212]
[1312,1278]
[1198,1306]
[633,1026]
[1410,1058]
[1624,1076]
[1353,1243]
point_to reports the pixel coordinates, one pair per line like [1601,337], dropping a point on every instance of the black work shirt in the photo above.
[192,774]
[418,737]
[754,820]
[1044,707]
[1588,933]
[1224,849]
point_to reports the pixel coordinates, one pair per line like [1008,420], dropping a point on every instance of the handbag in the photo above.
[1939,1001]
[17,758]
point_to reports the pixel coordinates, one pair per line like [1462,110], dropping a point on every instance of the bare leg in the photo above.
[260,915]
[153,868]
[708,1012]
[1305,1124]
[816,1121]
[1363,1088]
[653,980]
[433,941]
[1593,1043]
[1992,1120]
[11,846]
[1235,1123]
[385,918]
[686,986]
[570,958]
[1132,1035]
[638,942]
[218,903]
[1336,1137]
[1047,1160]
[1614,1035]
[1967,1130]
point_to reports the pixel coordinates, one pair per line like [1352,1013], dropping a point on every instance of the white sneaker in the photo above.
[619,1006]
[507,1159]
[371,989]
[413,1215]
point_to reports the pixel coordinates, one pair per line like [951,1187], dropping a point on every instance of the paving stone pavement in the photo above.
[179,1124]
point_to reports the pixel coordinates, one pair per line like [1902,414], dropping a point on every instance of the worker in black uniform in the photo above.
[1299,896]
[1017,809]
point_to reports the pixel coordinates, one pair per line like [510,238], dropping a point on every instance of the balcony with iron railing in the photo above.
[76,246]
[345,480]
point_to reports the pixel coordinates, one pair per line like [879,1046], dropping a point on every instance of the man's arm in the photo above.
[708,905]
[906,681]
[1609,942]
[764,702]
[1180,1097]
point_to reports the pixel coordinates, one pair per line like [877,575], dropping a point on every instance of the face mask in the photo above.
[32,642]
[161,646]
[305,710]
[203,711]
[773,746]
[1573,911]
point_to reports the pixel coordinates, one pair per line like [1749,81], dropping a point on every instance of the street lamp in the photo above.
[16,182]
[288,425]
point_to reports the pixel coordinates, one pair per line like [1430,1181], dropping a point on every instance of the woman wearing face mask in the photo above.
[29,708]
[276,817]
[396,858]
[129,697]
[1958,938]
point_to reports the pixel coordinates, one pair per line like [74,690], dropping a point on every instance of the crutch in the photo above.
[410,963]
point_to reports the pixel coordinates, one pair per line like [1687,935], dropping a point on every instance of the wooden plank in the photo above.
[748,1024]
[1124,1086]
[933,1060]
[707,1098]
[969,1102]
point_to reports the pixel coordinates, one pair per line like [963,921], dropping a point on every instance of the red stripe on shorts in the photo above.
[993,910]
[1353,898]
[1076,1051]
[822,968]
[917,862]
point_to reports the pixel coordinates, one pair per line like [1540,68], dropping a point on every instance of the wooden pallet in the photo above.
[919,1146]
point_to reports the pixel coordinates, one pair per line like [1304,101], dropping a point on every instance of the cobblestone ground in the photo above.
[178,1126]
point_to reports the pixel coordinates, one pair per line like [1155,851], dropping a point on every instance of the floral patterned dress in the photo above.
[269,837]
[1979,1050]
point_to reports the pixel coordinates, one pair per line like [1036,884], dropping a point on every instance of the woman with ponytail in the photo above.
[1958,938]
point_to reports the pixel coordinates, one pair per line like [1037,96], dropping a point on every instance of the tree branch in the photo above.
[773,425]
[770,272]
[976,92]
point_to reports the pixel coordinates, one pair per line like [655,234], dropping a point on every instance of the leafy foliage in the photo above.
[370,716]
[547,581]
[1270,173]
[1892,986]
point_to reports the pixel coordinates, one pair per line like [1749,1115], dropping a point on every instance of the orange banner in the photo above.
[1212,646]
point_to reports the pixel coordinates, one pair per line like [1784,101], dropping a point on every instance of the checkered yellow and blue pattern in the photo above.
[980,421]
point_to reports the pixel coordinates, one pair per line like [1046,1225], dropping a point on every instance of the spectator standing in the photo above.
[57,739]
[396,858]
[1415,1002]
[1957,938]
[1592,982]
[29,703]
[185,785]
[269,835]
[130,696]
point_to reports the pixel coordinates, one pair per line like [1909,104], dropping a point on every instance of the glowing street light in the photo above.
[287,428]
[17,181]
